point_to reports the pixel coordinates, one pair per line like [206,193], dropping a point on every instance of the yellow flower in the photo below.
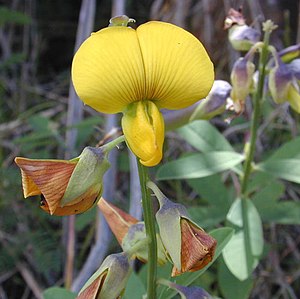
[137,72]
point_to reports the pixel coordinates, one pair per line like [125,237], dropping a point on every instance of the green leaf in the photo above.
[271,209]
[204,137]
[212,189]
[58,293]
[207,216]
[222,235]
[287,169]
[230,286]
[134,287]
[242,253]
[288,150]
[199,165]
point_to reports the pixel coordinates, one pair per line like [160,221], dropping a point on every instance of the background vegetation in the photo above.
[37,40]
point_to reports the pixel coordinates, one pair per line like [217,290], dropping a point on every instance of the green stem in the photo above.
[112,144]
[256,113]
[149,219]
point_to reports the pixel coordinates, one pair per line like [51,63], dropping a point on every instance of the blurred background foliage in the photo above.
[36,47]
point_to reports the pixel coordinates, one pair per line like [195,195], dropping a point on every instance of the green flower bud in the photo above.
[120,21]
[109,281]
[136,234]
[215,103]
[130,233]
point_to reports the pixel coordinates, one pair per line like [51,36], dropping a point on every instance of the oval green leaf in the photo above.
[287,169]
[199,165]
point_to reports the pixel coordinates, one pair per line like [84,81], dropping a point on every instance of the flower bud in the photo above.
[241,80]
[67,187]
[241,36]
[283,85]
[188,245]
[143,127]
[129,232]
[215,103]
[280,79]
[136,234]
[190,292]
[122,20]
[109,281]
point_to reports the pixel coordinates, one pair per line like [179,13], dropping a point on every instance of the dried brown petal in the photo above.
[47,177]
[197,248]
[94,288]
[118,220]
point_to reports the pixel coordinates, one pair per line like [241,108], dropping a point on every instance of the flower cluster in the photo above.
[283,68]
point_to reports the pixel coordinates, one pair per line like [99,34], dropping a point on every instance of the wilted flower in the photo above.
[138,72]
[241,80]
[191,292]
[66,187]
[188,245]
[215,103]
[283,85]
[130,233]
[241,36]
[109,281]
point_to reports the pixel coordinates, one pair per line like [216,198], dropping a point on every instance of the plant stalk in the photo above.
[149,220]
[256,113]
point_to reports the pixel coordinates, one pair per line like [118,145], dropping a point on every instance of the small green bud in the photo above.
[137,233]
[120,21]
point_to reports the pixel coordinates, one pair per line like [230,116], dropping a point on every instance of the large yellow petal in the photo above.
[178,69]
[107,70]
